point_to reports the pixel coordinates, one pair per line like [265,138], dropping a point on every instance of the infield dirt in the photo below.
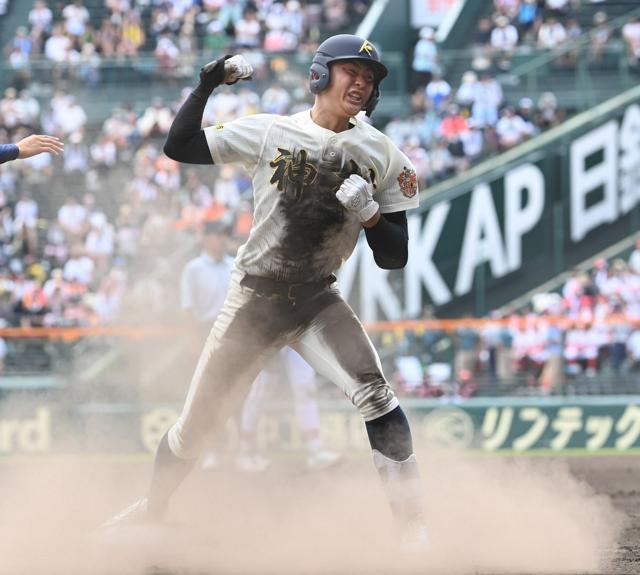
[486,514]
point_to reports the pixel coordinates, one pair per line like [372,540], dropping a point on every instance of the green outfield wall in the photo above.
[594,425]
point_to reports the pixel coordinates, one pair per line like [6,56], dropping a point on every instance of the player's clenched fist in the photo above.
[356,195]
[225,70]
[237,68]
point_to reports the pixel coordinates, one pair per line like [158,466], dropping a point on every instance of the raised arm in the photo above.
[186,141]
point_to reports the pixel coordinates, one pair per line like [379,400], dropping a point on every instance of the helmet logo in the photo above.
[366,47]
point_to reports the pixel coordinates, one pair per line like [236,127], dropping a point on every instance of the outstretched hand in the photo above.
[37,144]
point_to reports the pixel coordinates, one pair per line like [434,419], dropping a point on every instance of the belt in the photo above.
[288,291]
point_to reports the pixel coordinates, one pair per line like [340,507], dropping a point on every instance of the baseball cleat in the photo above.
[414,538]
[323,460]
[135,514]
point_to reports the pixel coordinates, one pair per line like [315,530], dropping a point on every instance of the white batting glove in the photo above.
[237,68]
[356,195]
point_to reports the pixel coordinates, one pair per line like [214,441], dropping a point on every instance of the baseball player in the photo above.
[301,378]
[319,177]
[30,146]
[203,286]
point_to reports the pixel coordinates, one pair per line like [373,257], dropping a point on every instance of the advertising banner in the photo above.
[515,426]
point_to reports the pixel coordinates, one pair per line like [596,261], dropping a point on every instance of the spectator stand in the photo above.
[581,70]
[155,48]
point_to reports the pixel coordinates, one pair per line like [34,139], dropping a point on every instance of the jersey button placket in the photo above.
[329,153]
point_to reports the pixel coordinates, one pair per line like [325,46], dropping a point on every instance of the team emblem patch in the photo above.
[408,182]
[219,126]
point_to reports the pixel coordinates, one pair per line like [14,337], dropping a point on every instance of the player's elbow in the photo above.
[171,150]
[391,262]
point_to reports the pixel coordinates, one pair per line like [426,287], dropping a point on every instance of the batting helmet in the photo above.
[346,47]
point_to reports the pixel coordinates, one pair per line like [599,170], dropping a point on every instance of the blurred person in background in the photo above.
[31,146]
[504,39]
[425,59]
[299,375]
[631,37]
[599,37]
[203,287]
[634,259]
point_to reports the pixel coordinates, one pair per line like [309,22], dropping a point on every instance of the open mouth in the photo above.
[355,98]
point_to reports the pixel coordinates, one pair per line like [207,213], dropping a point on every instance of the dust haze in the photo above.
[486,515]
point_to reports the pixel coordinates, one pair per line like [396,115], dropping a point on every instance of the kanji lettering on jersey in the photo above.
[293,169]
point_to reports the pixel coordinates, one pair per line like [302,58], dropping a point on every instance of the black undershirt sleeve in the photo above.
[186,141]
[389,240]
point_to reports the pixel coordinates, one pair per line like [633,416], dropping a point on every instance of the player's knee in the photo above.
[374,397]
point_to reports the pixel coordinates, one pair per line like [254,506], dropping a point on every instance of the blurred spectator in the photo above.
[156,120]
[599,36]
[167,53]
[76,17]
[275,100]
[504,39]
[551,34]
[438,92]
[40,18]
[58,46]
[528,19]
[511,129]
[79,268]
[487,98]
[634,259]
[631,37]
[633,348]
[549,115]
[425,59]
[248,29]
[467,344]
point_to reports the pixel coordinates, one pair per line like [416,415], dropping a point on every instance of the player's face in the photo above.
[351,86]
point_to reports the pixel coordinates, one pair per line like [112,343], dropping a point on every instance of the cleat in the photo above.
[323,460]
[135,514]
[414,538]
[252,463]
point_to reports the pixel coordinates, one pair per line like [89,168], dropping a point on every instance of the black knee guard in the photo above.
[391,435]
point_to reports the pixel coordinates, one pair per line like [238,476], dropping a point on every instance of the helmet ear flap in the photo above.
[318,77]
[373,101]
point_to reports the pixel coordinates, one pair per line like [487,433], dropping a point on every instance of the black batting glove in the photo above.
[211,76]
[228,69]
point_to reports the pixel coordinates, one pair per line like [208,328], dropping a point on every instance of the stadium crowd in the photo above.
[454,122]
[70,34]
[587,329]
[73,259]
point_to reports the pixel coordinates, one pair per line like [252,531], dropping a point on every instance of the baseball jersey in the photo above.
[301,232]
[203,286]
